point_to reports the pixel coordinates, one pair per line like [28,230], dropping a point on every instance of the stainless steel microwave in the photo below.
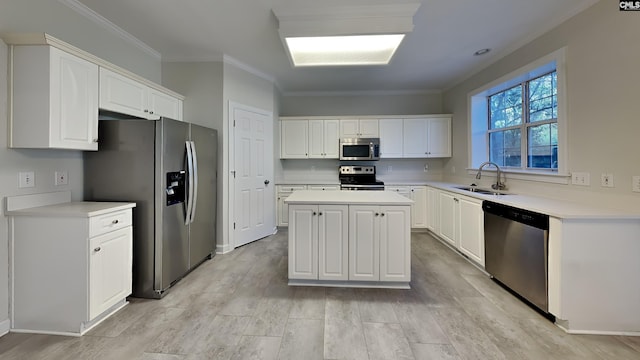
[360,149]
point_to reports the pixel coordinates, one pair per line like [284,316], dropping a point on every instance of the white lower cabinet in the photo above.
[433,209]
[419,207]
[320,249]
[470,228]
[367,243]
[461,224]
[71,269]
[282,193]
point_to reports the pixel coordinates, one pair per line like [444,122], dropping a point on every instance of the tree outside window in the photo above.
[530,108]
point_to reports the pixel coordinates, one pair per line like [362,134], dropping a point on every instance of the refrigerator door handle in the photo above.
[187,217]
[194,176]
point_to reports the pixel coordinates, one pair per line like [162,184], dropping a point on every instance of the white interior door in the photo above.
[253,163]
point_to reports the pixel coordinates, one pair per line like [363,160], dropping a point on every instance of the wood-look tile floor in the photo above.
[238,306]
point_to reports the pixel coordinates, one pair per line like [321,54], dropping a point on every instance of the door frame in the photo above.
[231,161]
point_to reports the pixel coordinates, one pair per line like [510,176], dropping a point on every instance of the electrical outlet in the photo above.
[635,183]
[26,179]
[606,180]
[580,178]
[426,167]
[61,178]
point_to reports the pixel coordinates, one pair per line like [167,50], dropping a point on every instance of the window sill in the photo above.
[538,176]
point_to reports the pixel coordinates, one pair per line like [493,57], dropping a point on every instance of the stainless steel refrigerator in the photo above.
[169,169]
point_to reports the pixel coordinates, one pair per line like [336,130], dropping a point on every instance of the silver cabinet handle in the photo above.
[115,221]
[266,182]
[381,214]
[97,249]
[320,213]
[377,214]
[145,110]
[150,112]
[314,213]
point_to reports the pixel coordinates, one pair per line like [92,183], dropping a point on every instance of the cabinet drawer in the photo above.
[291,188]
[324,187]
[103,224]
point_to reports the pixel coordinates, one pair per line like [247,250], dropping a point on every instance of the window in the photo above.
[518,120]
[529,108]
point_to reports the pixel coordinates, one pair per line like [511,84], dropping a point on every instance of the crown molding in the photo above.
[239,64]
[363,93]
[85,11]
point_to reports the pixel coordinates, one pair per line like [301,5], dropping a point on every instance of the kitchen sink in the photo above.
[480,191]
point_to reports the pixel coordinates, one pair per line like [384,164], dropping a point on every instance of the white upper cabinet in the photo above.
[309,138]
[55,99]
[391,138]
[294,139]
[124,95]
[427,137]
[359,128]
[323,139]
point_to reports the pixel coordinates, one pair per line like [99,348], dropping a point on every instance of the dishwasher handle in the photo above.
[531,218]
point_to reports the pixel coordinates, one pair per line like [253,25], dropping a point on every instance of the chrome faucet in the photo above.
[499,185]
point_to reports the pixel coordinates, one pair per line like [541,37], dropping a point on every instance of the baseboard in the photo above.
[223,249]
[5,326]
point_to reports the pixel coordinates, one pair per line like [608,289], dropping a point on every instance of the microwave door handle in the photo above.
[371,147]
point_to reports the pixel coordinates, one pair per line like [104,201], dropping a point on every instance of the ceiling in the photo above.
[437,54]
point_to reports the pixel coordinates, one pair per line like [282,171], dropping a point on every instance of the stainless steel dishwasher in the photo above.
[516,250]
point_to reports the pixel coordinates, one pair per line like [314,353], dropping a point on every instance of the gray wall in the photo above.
[361,104]
[64,23]
[603,83]
[58,20]
[245,88]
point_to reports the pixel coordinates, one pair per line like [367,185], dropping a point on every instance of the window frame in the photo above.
[478,119]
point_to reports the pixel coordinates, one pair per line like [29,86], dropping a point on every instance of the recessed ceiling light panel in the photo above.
[343,50]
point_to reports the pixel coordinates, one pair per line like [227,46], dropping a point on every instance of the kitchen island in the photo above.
[349,239]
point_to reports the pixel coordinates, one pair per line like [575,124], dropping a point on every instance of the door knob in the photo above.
[266,182]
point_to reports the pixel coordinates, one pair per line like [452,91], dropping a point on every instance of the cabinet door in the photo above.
[349,128]
[316,139]
[364,243]
[74,102]
[433,210]
[123,95]
[161,104]
[419,207]
[283,209]
[110,269]
[369,128]
[439,137]
[395,243]
[293,139]
[333,242]
[470,228]
[390,138]
[303,242]
[414,138]
[448,217]
[331,139]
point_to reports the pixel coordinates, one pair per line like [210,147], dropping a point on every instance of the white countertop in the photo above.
[73,209]
[557,208]
[347,198]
